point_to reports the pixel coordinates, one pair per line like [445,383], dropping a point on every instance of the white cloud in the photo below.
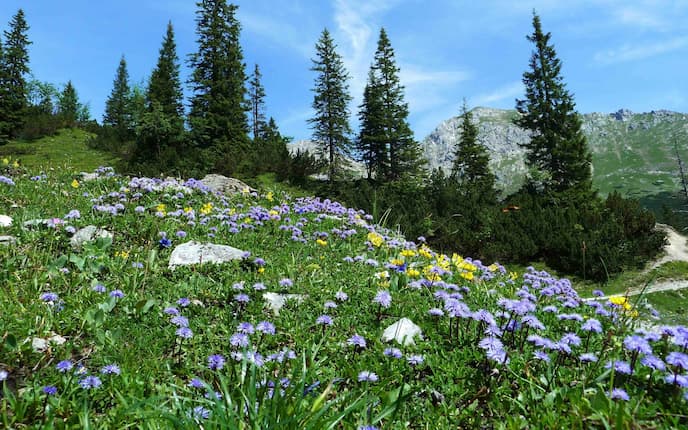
[640,52]
[509,91]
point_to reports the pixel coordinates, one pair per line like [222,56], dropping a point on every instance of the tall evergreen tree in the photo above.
[558,150]
[218,109]
[160,129]
[256,98]
[471,159]
[68,104]
[118,114]
[330,125]
[385,120]
[15,66]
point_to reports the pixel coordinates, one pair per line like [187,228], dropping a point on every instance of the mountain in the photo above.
[632,152]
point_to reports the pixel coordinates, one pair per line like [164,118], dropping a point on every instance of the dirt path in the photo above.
[676,249]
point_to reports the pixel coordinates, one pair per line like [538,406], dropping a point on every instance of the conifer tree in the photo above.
[218,109]
[385,120]
[256,95]
[118,113]
[14,67]
[471,160]
[68,104]
[331,130]
[558,150]
[164,86]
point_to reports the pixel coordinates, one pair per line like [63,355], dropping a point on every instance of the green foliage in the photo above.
[118,106]
[68,104]
[217,118]
[331,130]
[386,141]
[558,151]
[256,99]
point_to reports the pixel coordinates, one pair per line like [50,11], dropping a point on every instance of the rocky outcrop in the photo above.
[224,185]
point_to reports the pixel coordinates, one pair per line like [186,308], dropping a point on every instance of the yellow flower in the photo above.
[408,253]
[321,242]
[456,259]
[269,196]
[513,275]
[15,164]
[273,212]
[467,276]
[188,209]
[261,269]
[160,207]
[75,184]
[206,208]
[425,252]
[397,261]
[5,161]
[122,254]
[375,239]
[247,220]
[412,273]
[492,267]
[232,211]
[246,190]
[618,300]
[382,275]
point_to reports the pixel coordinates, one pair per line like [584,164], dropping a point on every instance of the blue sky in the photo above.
[630,54]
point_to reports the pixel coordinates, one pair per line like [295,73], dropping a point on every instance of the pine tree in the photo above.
[256,95]
[15,66]
[331,130]
[471,160]
[118,113]
[218,109]
[164,86]
[68,104]
[385,120]
[558,151]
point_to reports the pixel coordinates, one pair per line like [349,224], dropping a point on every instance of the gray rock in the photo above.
[198,253]
[5,221]
[403,331]
[225,185]
[276,301]
[7,240]
[87,177]
[88,234]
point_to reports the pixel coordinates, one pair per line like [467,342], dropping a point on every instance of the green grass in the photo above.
[68,150]
[455,377]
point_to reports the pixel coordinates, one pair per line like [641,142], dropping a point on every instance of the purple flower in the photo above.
[242,298]
[184,332]
[383,298]
[216,362]
[259,262]
[286,282]
[676,379]
[266,327]
[184,302]
[637,344]
[3,375]
[99,288]
[598,293]
[436,312]
[137,265]
[200,413]
[357,341]
[367,376]
[49,390]
[540,355]
[677,359]
[571,339]
[588,357]
[415,360]
[592,325]
[245,327]
[181,234]
[180,321]
[239,340]
[341,296]
[392,352]
[324,320]
[259,286]
[196,383]
[330,305]
[165,242]
[110,369]
[49,297]
[619,366]
[652,362]
[171,311]
[619,394]
[117,294]
[64,366]
[90,382]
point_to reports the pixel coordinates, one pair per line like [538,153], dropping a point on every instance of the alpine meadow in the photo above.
[182,263]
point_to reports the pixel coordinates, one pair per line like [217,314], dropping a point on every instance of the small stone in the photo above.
[86,177]
[5,221]
[7,240]
[88,234]
[276,301]
[225,185]
[197,253]
[41,345]
[403,331]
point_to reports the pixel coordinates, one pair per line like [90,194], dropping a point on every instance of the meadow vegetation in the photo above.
[109,336]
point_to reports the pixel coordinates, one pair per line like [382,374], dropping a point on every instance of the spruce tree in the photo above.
[471,160]
[331,130]
[15,66]
[256,95]
[218,109]
[385,120]
[68,104]
[118,113]
[164,86]
[558,150]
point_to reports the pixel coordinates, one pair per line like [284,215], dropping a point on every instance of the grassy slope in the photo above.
[67,149]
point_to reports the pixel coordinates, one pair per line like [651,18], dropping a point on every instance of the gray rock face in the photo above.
[5,221]
[225,185]
[88,234]
[197,253]
[7,240]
